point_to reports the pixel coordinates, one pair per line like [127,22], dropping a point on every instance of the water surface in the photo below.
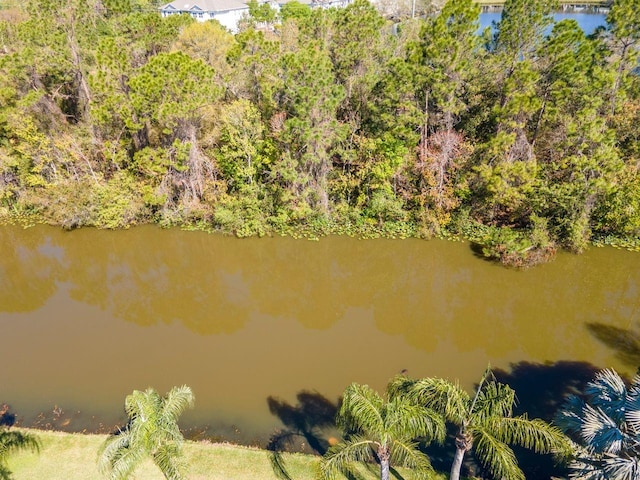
[87,316]
[587,21]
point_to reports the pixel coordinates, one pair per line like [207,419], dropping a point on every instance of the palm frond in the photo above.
[111,449]
[533,434]
[494,399]
[405,420]
[634,389]
[569,419]
[278,442]
[407,455]
[278,465]
[339,459]
[632,410]
[587,468]
[605,467]
[5,473]
[361,409]
[399,386]
[622,468]
[608,425]
[496,456]
[14,440]
[176,402]
[143,409]
[608,392]
[121,462]
[439,394]
[142,405]
[168,460]
[600,432]
[152,431]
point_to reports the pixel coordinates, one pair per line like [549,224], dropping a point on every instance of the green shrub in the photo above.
[519,249]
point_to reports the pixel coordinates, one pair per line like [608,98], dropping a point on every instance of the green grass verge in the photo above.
[72,456]
[66,456]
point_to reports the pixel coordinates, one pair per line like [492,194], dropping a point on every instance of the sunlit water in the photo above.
[587,21]
[88,316]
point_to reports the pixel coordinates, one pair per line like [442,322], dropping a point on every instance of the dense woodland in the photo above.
[308,122]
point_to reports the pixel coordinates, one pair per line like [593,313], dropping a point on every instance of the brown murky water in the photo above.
[88,316]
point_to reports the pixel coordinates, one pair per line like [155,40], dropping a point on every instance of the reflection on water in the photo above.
[241,321]
[624,341]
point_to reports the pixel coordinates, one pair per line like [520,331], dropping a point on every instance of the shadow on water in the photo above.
[7,418]
[477,251]
[624,341]
[541,390]
[309,425]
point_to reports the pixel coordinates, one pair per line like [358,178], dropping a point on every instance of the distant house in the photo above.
[329,3]
[229,12]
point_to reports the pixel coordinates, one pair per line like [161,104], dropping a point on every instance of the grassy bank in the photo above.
[67,456]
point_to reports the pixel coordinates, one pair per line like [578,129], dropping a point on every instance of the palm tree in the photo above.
[385,430]
[152,431]
[12,441]
[608,425]
[485,423]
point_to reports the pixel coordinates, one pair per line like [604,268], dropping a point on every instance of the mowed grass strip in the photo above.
[73,456]
[66,456]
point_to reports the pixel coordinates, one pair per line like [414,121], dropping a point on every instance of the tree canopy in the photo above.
[311,121]
[152,432]
[606,423]
[386,429]
[485,423]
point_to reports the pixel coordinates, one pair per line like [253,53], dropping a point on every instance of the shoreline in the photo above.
[485,240]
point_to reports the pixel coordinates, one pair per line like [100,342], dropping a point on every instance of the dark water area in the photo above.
[587,21]
[268,331]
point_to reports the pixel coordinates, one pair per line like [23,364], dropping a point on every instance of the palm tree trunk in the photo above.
[384,469]
[464,441]
[383,456]
[457,464]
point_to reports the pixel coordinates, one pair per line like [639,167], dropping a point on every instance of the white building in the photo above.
[229,12]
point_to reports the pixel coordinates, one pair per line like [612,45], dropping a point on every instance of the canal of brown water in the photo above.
[88,316]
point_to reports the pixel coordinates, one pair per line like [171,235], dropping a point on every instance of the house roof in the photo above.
[215,5]
[205,5]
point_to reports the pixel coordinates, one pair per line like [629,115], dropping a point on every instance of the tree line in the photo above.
[523,139]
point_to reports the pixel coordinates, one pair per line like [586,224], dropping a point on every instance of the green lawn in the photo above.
[66,456]
[73,457]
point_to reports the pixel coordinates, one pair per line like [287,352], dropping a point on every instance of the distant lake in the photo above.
[587,21]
